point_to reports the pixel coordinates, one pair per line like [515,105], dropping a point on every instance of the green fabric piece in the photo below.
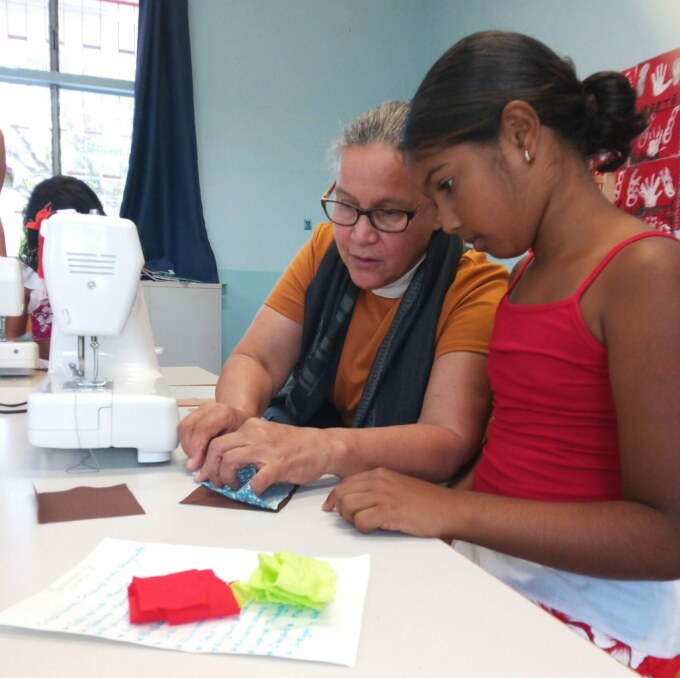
[289,579]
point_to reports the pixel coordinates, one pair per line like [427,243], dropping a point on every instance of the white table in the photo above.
[429,612]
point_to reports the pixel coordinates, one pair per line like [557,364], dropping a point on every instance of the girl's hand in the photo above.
[387,500]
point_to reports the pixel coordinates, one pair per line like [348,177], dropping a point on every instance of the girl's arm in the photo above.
[256,369]
[638,537]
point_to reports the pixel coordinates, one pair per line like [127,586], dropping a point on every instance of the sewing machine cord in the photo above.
[83,466]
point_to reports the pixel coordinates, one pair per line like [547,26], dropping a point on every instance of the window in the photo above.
[67,71]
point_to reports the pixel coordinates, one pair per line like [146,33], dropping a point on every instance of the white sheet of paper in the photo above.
[91,599]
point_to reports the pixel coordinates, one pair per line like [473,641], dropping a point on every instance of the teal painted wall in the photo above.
[243,295]
[605,35]
[274,83]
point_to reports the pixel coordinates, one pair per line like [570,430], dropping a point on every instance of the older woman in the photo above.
[373,342]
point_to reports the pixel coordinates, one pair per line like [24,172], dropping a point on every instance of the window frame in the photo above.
[55,80]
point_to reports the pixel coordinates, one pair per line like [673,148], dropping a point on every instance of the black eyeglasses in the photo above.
[382,219]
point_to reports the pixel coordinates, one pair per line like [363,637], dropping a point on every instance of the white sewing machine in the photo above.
[104,387]
[16,357]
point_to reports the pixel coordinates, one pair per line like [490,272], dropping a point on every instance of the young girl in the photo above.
[576,499]
[56,193]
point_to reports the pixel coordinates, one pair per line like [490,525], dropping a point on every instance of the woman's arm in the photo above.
[256,369]
[448,432]
[260,363]
[447,435]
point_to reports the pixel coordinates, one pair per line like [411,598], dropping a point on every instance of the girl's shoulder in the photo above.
[643,277]
[649,253]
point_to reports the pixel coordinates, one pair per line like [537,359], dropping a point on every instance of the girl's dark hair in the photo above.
[62,192]
[464,93]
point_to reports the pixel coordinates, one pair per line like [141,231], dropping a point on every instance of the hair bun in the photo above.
[611,121]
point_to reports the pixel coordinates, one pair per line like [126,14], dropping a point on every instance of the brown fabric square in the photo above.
[202,496]
[82,503]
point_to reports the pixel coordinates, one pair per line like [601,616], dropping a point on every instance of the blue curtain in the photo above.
[162,193]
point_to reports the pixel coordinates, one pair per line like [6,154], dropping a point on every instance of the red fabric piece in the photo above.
[172,591]
[44,213]
[180,598]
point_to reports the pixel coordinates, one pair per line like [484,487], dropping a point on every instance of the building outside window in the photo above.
[67,71]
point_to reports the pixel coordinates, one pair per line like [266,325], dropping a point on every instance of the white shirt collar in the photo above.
[397,288]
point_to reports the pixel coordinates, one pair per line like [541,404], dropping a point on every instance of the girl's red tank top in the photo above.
[553,435]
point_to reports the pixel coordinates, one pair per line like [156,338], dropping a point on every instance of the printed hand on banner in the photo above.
[618,185]
[668,187]
[654,142]
[659,225]
[658,84]
[642,79]
[650,191]
[633,189]
[668,132]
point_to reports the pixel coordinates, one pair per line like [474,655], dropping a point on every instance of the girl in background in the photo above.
[53,194]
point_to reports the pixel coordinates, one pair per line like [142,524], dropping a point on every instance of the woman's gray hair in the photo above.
[379,125]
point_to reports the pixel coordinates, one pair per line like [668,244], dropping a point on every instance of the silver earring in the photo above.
[527,156]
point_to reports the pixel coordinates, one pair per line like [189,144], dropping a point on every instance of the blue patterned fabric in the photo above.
[269,499]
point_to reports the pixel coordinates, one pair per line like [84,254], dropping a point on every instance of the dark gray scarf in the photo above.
[396,385]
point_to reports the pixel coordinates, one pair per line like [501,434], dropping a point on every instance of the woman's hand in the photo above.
[198,428]
[280,453]
[256,369]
